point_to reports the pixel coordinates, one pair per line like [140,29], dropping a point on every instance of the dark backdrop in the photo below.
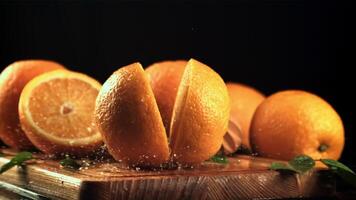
[271,45]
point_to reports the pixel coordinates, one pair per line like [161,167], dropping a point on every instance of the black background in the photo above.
[271,45]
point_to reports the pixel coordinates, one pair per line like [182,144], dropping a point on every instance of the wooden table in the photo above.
[244,177]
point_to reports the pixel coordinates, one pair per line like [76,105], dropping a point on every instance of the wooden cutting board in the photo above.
[244,177]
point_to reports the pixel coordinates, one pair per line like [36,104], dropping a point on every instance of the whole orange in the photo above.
[290,123]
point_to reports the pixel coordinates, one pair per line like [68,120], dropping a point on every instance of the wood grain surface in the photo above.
[244,177]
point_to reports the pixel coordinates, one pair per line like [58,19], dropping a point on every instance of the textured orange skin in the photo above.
[201,115]
[128,118]
[290,123]
[244,101]
[42,143]
[165,78]
[12,80]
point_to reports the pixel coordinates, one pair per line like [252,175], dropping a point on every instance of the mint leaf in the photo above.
[302,163]
[219,159]
[17,160]
[342,170]
[298,164]
[281,167]
[69,163]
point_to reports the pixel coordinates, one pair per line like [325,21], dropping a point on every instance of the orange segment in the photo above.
[56,112]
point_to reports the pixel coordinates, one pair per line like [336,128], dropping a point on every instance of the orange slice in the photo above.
[56,112]
[12,80]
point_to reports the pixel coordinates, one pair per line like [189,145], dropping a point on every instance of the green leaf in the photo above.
[17,160]
[281,167]
[69,163]
[342,170]
[219,159]
[299,164]
[302,163]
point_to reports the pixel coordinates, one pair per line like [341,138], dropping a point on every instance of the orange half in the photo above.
[56,112]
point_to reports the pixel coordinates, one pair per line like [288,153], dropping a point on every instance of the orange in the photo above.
[232,138]
[244,101]
[56,112]
[165,78]
[128,117]
[200,115]
[293,122]
[12,80]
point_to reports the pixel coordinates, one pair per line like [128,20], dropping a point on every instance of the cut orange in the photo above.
[165,79]
[12,80]
[128,116]
[56,112]
[200,115]
[244,101]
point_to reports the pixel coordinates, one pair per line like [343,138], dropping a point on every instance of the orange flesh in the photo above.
[61,107]
[178,108]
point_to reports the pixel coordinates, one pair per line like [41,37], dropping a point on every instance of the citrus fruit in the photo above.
[232,138]
[12,80]
[244,101]
[56,112]
[165,78]
[200,114]
[127,115]
[290,123]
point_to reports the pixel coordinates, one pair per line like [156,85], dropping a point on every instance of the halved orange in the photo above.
[165,78]
[12,80]
[56,112]
[130,121]
[127,115]
[200,115]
